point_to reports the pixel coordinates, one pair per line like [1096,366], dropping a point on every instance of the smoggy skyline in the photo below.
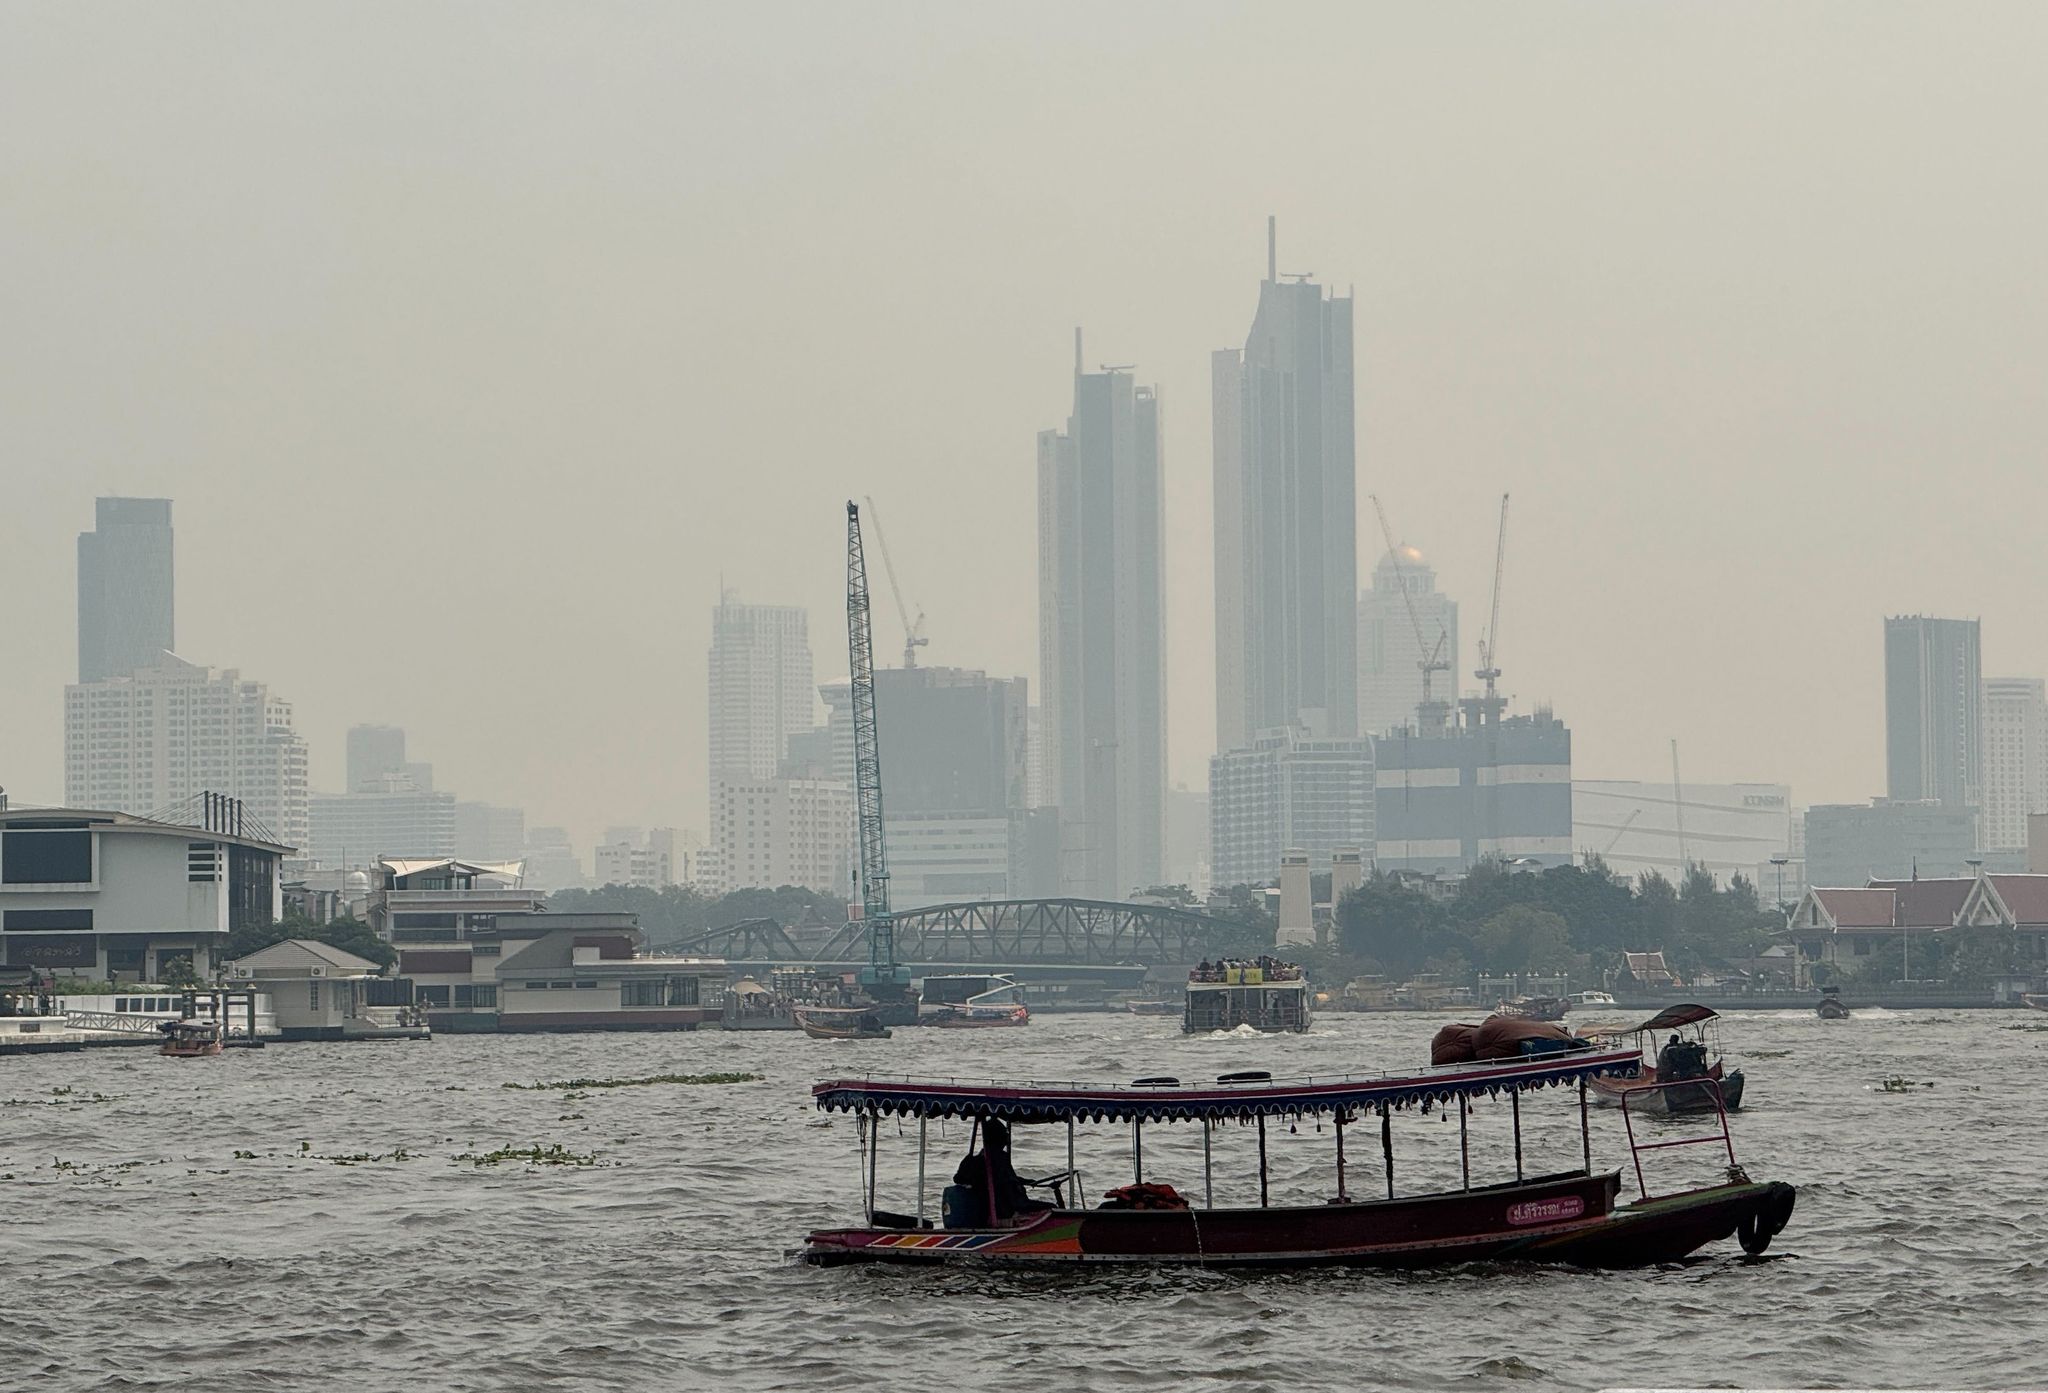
[476,356]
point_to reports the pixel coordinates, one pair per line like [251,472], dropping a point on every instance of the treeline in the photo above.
[1575,919]
[349,935]
[678,912]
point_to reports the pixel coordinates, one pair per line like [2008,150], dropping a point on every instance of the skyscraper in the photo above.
[1286,516]
[2015,758]
[1102,632]
[1389,657]
[760,679]
[1933,690]
[374,752]
[125,607]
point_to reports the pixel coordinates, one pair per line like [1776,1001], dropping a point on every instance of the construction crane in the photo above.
[1489,646]
[913,630]
[884,979]
[1615,840]
[1432,657]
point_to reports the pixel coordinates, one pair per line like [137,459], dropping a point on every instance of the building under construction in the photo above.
[1485,785]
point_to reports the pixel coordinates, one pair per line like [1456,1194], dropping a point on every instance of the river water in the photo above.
[305,1216]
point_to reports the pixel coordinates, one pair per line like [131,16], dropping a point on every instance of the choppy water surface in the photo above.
[200,1223]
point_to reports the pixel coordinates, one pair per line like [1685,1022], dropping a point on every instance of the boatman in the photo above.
[990,1174]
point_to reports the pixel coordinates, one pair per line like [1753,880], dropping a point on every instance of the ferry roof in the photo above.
[1041,1101]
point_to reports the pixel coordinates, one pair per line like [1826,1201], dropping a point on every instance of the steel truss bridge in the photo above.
[1108,933]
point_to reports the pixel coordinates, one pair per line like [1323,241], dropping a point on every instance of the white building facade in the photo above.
[1289,791]
[1642,825]
[779,831]
[161,736]
[2015,758]
[760,686]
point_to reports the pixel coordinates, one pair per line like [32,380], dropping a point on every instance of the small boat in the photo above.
[1595,999]
[1830,1007]
[1687,1077]
[190,1039]
[840,1023]
[971,1016]
[1570,1216]
[1147,1006]
[2037,1000]
[1535,1008]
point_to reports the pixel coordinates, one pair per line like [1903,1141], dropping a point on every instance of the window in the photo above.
[46,919]
[480,998]
[202,862]
[55,853]
[584,986]
[313,993]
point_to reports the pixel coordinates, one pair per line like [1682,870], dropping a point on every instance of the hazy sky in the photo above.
[476,342]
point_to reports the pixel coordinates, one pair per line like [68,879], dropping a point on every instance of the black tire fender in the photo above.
[1767,1219]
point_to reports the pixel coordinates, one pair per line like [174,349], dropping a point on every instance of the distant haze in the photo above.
[477,344]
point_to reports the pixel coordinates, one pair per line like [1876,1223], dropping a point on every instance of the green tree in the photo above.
[1522,938]
[1392,925]
[349,935]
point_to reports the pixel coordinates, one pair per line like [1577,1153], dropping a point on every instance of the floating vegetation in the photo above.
[1766,1054]
[60,1098]
[582,1085]
[1898,1083]
[2028,1025]
[554,1155]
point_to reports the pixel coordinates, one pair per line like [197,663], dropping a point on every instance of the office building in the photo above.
[628,858]
[1286,516]
[157,738]
[1390,657]
[1644,825]
[2015,758]
[1290,791]
[552,861]
[760,686]
[1485,788]
[1102,633]
[486,832]
[374,754]
[772,832]
[125,601]
[112,898]
[1851,844]
[1933,692]
[393,816]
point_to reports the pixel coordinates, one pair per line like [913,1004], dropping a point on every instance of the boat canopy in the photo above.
[1672,1017]
[1168,1100]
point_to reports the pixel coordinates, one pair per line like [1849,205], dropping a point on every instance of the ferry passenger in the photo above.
[991,1175]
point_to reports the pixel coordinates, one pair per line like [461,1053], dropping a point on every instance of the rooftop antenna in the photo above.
[1272,247]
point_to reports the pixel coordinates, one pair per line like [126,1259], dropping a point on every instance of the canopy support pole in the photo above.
[1387,1144]
[1262,1160]
[1138,1150]
[874,1146]
[1073,1176]
[1515,1101]
[922,1123]
[1208,1174]
[1464,1142]
[1341,1196]
[1585,1128]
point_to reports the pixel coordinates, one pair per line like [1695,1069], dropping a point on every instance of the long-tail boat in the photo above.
[1566,1217]
[840,1023]
[1687,1059]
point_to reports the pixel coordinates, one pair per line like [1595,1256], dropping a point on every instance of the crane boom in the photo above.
[1489,648]
[883,976]
[913,632]
[1432,659]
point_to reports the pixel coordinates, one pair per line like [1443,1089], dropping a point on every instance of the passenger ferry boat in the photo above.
[1265,994]
[972,1000]
[190,1039]
[1567,1217]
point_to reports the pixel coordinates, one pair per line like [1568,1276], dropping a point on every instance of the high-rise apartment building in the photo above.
[393,817]
[125,600]
[760,680]
[779,831]
[1102,633]
[155,738]
[1390,657]
[1933,696]
[641,862]
[486,832]
[1289,791]
[374,752]
[2015,758]
[1286,516]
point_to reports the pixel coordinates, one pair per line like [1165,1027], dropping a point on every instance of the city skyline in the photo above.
[603,441]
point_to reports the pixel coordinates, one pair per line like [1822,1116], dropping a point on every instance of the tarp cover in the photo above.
[1497,1037]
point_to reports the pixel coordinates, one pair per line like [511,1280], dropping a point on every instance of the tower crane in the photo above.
[913,630]
[1432,657]
[1489,646]
[884,979]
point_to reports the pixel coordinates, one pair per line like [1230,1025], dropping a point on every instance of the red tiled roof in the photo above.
[1928,904]
[2025,895]
[1871,908]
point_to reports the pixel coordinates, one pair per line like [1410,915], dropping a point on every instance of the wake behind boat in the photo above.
[988,1217]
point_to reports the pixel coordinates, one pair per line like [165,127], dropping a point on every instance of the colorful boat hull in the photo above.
[1565,1219]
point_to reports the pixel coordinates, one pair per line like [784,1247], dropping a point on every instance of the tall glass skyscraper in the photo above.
[1933,698]
[1286,516]
[124,588]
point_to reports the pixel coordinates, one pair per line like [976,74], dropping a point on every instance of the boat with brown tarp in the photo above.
[1688,1063]
[1573,1216]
